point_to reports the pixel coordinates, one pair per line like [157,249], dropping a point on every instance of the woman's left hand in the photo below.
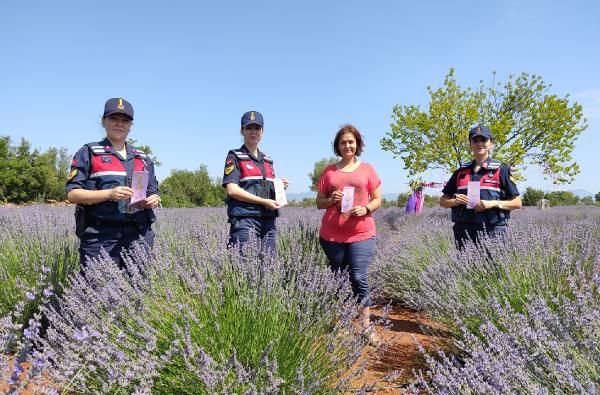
[358,211]
[285,182]
[151,201]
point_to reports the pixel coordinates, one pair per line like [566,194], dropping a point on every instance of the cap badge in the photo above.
[120,106]
[478,130]
[252,116]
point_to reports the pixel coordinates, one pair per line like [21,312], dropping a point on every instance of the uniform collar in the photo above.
[245,149]
[485,163]
[108,145]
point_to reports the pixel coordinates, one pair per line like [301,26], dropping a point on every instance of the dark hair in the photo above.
[357,136]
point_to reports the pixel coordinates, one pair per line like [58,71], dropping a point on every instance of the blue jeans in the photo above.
[355,258]
[263,229]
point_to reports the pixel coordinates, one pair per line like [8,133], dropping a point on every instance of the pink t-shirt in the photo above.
[341,227]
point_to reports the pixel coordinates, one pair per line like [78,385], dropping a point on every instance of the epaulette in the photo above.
[267,158]
[494,164]
[137,152]
[98,149]
[241,155]
[466,165]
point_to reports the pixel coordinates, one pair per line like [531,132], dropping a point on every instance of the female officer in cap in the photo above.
[498,193]
[100,183]
[248,177]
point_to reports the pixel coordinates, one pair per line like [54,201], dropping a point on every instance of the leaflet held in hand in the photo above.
[347,199]
[139,184]
[280,192]
[473,194]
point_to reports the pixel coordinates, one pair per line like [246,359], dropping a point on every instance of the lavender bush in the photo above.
[195,317]
[38,251]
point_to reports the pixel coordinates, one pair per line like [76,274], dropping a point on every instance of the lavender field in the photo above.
[196,318]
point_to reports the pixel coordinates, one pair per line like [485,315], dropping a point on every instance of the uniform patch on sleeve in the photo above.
[72,174]
[74,163]
[228,169]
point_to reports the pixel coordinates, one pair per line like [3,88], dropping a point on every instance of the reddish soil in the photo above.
[400,353]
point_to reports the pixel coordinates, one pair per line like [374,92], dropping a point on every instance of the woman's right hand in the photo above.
[271,204]
[336,196]
[120,193]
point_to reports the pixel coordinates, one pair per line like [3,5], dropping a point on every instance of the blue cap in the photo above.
[118,105]
[251,117]
[480,130]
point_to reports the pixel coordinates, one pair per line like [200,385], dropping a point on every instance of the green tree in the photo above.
[532,196]
[146,149]
[562,198]
[530,126]
[186,188]
[587,200]
[320,165]
[402,199]
[597,197]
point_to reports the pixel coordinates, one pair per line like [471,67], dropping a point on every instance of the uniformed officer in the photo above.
[100,183]
[498,193]
[248,178]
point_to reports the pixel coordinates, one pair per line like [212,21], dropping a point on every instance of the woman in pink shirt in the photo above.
[350,191]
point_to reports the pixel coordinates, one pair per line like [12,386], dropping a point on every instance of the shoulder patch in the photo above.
[228,169]
[72,174]
[468,164]
[267,159]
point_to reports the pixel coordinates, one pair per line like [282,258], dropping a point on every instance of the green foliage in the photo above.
[587,200]
[529,125]
[562,198]
[597,197]
[532,196]
[429,201]
[318,170]
[306,202]
[27,175]
[186,188]
[147,150]
[402,199]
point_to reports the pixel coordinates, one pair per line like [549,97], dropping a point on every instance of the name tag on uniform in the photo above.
[106,159]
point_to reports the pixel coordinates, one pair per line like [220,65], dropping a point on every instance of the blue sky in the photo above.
[191,69]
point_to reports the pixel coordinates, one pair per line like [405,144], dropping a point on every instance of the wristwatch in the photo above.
[368,210]
[500,205]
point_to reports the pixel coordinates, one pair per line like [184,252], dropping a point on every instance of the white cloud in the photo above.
[590,100]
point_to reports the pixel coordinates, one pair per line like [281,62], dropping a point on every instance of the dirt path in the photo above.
[402,354]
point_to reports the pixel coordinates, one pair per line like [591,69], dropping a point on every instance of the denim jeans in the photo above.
[354,258]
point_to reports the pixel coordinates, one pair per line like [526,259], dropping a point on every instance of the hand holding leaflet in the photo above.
[139,184]
[347,199]
[280,197]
